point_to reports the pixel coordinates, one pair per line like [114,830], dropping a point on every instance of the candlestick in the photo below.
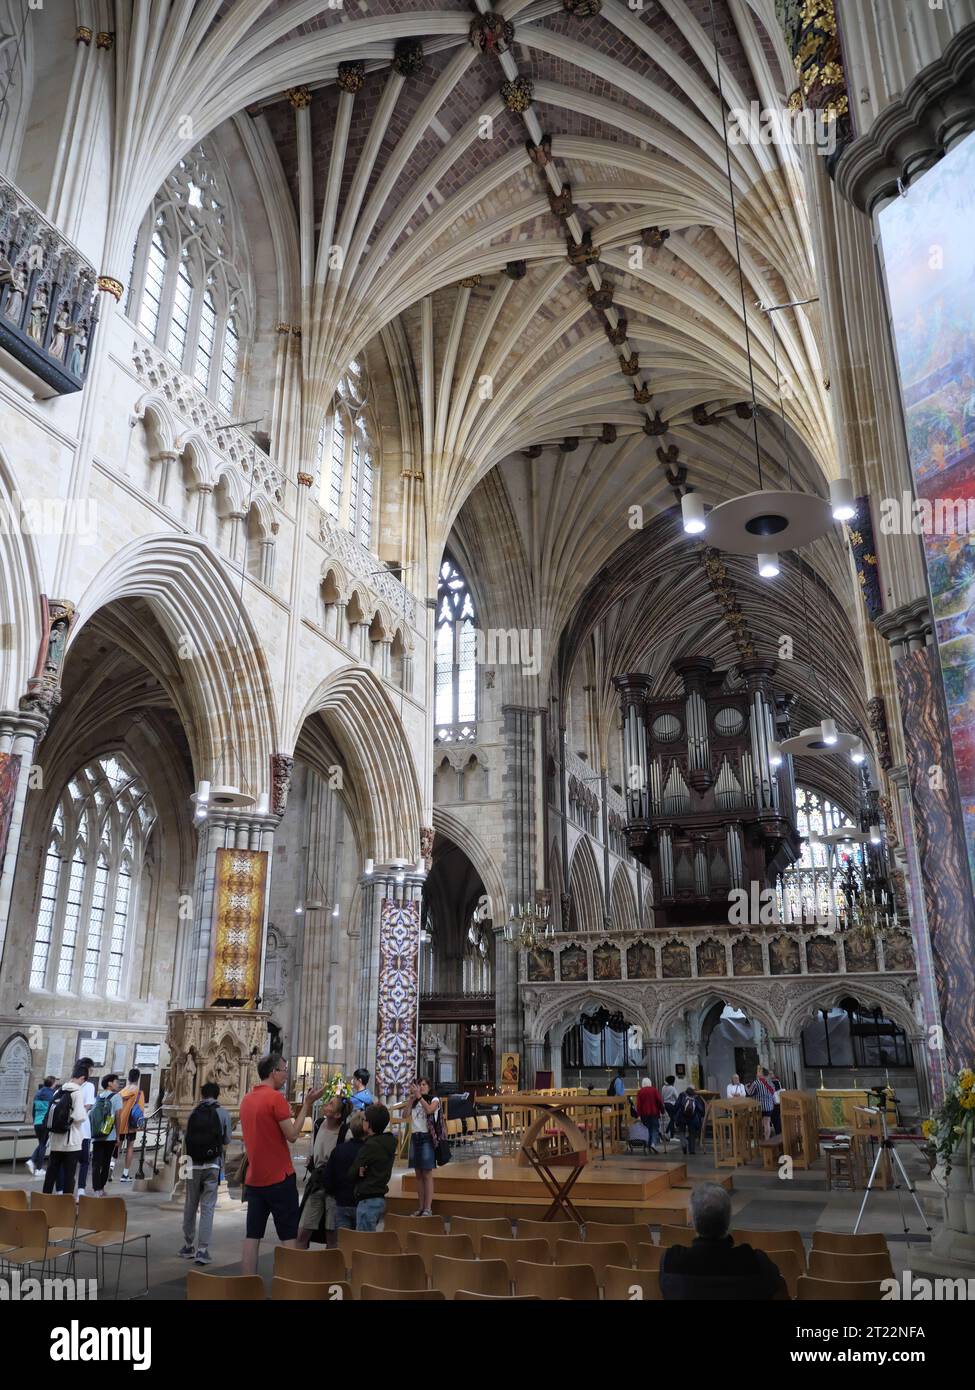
[822,1083]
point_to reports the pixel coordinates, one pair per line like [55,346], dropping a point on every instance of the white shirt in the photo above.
[668,1095]
[87,1100]
[71,1142]
[419,1116]
[733,1090]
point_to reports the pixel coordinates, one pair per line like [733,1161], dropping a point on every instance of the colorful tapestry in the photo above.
[238,925]
[940,844]
[921,934]
[9,777]
[399,996]
[865,558]
[929,262]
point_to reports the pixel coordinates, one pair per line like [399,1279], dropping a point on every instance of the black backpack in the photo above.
[204,1133]
[58,1118]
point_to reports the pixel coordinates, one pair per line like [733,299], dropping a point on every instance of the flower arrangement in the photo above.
[953,1125]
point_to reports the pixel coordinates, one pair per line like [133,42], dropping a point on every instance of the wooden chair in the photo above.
[223,1288]
[403,1225]
[825,1264]
[387,1271]
[772,1240]
[458,1247]
[842,1244]
[473,1276]
[789,1265]
[61,1213]
[372,1293]
[311,1291]
[376,1242]
[595,1253]
[511,1251]
[309,1266]
[631,1285]
[467,1295]
[828,1290]
[577,1282]
[677,1235]
[14,1199]
[547,1230]
[106,1221]
[24,1234]
[496,1124]
[648,1257]
[632,1233]
[482,1125]
[479,1226]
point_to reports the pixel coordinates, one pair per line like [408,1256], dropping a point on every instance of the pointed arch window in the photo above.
[812,886]
[337,466]
[365,501]
[98,841]
[228,365]
[179,322]
[455,698]
[152,290]
[205,340]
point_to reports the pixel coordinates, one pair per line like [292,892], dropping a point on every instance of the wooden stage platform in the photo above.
[619,1190]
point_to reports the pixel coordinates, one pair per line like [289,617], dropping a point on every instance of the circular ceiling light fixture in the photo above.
[745,525]
[845,835]
[810,743]
[230,796]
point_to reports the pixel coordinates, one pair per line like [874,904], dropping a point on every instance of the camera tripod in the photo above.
[886,1145]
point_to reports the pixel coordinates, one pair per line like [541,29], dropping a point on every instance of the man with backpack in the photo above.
[128,1120]
[102,1122]
[42,1104]
[65,1124]
[690,1118]
[208,1131]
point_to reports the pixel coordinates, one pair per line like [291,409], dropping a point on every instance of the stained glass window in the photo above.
[813,886]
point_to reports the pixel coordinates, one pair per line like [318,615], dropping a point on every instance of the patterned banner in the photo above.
[238,925]
[865,558]
[399,996]
[9,776]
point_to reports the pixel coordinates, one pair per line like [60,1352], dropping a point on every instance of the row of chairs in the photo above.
[473,1130]
[42,1229]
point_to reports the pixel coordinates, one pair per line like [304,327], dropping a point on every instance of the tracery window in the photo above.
[191,279]
[813,885]
[347,488]
[455,700]
[97,844]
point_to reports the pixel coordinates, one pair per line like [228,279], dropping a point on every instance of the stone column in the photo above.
[203,492]
[920,1056]
[384,883]
[658,1060]
[534,1061]
[20,732]
[787,1061]
[165,459]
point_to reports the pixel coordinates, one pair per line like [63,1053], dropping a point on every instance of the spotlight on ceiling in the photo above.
[768,566]
[841,499]
[692,509]
[828,727]
[774,755]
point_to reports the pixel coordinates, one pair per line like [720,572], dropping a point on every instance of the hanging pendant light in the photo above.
[842,500]
[768,565]
[692,510]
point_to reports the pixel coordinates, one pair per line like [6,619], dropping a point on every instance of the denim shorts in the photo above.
[422,1157]
[280,1201]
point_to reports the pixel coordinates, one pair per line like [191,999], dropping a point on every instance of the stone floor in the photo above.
[759,1199]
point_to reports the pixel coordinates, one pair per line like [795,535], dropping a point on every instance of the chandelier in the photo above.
[528,925]
[869,908]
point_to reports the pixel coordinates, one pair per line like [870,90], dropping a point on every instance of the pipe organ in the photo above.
[706,811]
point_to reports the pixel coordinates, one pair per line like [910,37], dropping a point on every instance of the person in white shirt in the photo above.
[65,1149]
[735,1088]
[668,1095]
[88,1097]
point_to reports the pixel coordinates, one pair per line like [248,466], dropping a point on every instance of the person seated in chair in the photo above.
[714,1267]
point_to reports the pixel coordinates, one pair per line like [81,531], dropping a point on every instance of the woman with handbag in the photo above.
[426,1125]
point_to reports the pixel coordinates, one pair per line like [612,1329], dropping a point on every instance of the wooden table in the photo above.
[575,1105]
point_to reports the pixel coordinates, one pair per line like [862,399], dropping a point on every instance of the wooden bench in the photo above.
[771,1151]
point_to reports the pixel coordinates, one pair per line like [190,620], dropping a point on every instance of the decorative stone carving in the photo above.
[426,846]
[351,76]
[44,687]
[491,32]
[282,767]
[582,9]
[655,425]
[408,57]
[642,393]
[877,715]
[469,282]
[654,237]
[221,1045]
[517,94]
[299,97]
[582,253]
[540,154]
[359,561]
[608,434]
[602,298]
[516,270]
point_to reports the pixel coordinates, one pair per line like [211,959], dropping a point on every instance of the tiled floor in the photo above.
[759,1199]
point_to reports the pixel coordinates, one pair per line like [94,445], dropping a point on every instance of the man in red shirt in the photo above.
[649,1108]
[271,1186]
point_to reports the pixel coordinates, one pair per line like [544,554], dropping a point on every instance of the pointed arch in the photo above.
[456,830]
[20,583]
[585,890]
[623,902]
[222,661]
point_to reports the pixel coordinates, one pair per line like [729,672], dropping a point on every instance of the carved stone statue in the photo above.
[186,1083]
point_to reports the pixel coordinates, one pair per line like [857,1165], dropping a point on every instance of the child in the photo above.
[375,1169]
